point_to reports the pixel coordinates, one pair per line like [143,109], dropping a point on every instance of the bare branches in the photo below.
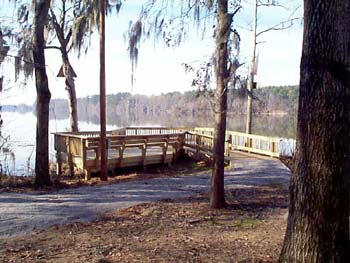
[161,19]
[285,24]
[280,26]
[272,3]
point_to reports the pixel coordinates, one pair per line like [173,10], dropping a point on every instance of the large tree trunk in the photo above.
[217,191]
[42,176]
[318,222]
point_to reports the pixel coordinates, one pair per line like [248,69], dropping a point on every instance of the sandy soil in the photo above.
[23,212]
[250,229]
[156,220]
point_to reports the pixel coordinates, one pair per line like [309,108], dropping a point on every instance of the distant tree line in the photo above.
[269,100]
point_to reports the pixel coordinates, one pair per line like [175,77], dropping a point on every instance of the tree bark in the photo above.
[217,191]
[42,176]
[72,97]
[318,222]
[103,143]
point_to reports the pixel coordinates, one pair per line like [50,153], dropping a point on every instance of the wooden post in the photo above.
[121,153]
[144,150]
[84,157]
[59,162]
[228,145]
[87,175]
[197,140]
[273,148]
[58,155]
[70,157]
[165,149]
[179,146]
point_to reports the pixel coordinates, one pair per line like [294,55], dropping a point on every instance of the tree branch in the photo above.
[52,47]
[70,47]
[63,17]
[69,35]
[58,30]
[279,26]
[236,11]
[274,4]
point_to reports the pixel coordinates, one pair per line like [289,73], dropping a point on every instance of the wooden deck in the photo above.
[143,146]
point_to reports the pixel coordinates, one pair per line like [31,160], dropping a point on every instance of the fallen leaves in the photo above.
[250,230]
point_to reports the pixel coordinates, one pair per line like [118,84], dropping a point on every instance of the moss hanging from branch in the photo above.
[163,20]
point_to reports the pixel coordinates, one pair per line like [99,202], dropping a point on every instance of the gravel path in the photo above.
[22,213]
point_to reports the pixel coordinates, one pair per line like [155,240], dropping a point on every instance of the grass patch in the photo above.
[245,223]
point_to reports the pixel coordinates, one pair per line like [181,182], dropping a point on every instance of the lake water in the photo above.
[21,129]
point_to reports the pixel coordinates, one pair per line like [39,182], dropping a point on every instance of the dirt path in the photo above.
[21,213]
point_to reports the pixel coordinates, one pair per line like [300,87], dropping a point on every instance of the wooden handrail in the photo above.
[79,145]
[241,141]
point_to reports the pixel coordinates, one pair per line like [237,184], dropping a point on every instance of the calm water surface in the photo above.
[21,130]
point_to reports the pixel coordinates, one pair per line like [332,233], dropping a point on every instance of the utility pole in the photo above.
[252,72]
[103,148]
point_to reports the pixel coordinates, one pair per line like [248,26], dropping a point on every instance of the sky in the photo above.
[160,68]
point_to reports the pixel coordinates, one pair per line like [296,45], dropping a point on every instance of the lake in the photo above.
[21,129]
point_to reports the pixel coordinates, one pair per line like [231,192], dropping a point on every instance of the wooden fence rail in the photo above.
[258,144]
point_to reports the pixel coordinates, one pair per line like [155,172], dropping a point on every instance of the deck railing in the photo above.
[133,146]
[148,131]
[248,142]
[83,150]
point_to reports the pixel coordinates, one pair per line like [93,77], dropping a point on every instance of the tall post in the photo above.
[103,173]
[251,73]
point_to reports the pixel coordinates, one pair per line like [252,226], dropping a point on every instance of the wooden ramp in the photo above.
[144,146]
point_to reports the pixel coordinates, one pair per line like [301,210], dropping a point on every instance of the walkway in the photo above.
[21,213]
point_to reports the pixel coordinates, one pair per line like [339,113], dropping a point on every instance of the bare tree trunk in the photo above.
[217,191]
[68,72]
[72,100]
[72,97]
[318,222]
[73,113]
[251,73]
[42,176]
